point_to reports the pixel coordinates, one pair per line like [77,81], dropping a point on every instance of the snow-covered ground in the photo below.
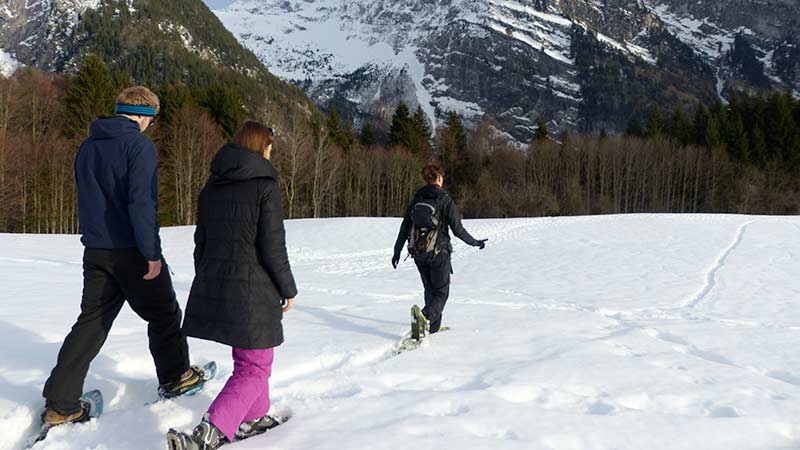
[612,332]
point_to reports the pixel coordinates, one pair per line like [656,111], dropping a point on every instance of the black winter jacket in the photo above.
[241,265]
[449,211]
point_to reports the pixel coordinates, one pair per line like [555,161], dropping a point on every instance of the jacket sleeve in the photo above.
[143,198]
[454,221]
[271,242]
[402,236]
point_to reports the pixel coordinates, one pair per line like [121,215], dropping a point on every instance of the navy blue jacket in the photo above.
[116,171]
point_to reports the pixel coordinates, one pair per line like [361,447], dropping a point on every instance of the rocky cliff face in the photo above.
[580,64]
[36,32]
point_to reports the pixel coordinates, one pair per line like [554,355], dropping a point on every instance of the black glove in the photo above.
[395,260]
[481,244]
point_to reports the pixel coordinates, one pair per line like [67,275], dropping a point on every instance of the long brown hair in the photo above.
[254,136]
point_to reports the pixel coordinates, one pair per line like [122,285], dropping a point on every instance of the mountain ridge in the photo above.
[515,60]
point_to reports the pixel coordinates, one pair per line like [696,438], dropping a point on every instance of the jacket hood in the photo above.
[430,191]
[235,163]
[113,127]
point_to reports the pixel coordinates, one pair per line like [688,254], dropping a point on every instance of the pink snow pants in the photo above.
[245,396]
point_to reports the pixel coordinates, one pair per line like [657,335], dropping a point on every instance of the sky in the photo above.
[216,4]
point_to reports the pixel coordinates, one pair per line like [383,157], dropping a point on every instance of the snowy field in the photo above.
[612,332]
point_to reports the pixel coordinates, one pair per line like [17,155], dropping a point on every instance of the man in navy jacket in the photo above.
[116,171]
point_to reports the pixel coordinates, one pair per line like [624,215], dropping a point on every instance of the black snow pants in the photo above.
[110,277]
[436,280]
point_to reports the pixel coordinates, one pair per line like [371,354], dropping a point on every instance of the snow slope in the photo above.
[612,332]
[8,64]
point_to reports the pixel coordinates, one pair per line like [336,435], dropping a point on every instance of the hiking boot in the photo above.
[189,383]
[420,328]
[256,427]
[53,418]
[205,436]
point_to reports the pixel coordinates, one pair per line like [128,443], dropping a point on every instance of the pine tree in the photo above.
[173,98]
[334,126]
[458,163]
[400,130]
[655,124]
[347,137]
[225,106]
[680,129]
[542,133]
[634,127]
[782,131]
[420,134]
[122,79]
[90,95]
[700,125]
[714,138]
[367,135]
[759,146]
[737,140]
[456,128]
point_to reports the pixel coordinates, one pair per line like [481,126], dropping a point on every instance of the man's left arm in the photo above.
[143,199]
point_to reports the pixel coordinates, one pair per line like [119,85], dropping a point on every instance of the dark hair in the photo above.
[431,173]
[254,136]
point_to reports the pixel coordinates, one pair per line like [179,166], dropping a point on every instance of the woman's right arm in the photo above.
[271,242]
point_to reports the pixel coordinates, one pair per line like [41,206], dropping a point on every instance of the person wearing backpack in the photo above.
[425,228]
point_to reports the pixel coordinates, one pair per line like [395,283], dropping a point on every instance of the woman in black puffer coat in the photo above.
[243,281]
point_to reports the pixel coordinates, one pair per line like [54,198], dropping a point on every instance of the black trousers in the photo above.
[110,277]
[436,280]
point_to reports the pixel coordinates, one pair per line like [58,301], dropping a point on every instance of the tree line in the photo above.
[742,157]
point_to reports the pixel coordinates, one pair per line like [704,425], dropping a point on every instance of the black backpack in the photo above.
[423,239]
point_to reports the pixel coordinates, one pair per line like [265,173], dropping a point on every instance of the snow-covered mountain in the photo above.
[37,31]
[582,64]
[179,40]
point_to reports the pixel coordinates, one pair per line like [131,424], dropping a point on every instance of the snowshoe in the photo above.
[420,328]
[190,383]
[91,408]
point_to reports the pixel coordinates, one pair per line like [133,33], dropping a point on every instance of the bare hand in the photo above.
[289,304]
[153,270]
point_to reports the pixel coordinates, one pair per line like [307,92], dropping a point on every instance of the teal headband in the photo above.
[135,110]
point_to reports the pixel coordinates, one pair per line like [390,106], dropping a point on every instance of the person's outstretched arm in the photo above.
[454,220]
[402,237]
[271,242]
